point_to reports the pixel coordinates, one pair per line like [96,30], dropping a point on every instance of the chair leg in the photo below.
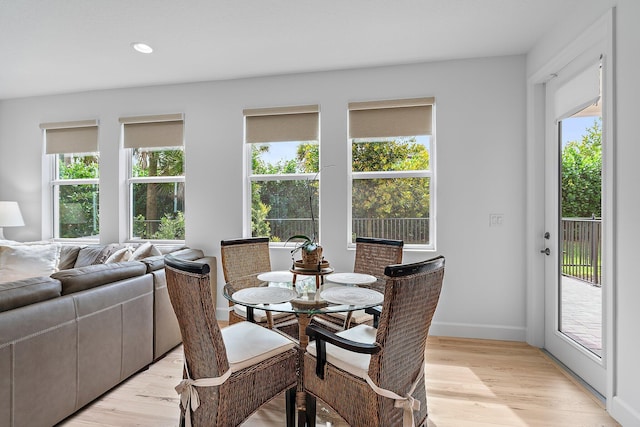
[310,413]
[290,404]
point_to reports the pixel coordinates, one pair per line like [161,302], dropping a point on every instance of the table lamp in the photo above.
[10,216]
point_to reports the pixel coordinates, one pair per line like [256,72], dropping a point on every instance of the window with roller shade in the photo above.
[74,178]
[156,179]
[392,170]
[282,151]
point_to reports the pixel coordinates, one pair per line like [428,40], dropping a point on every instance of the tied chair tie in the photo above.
[189,394]
[340,368]
[407,403]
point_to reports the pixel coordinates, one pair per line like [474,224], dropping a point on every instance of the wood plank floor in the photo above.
[469,383]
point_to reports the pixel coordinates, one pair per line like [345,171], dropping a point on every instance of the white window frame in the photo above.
[160,132]
[131,180]
[250,178]
[75,138]
[430,173]
[54,187]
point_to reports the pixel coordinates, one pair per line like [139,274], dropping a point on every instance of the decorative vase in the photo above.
[313,257]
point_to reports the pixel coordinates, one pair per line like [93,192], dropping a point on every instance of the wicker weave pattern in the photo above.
[205,354]
[409,305]
[372,256]
[246,257]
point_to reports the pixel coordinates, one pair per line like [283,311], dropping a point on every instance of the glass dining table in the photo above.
[276,292]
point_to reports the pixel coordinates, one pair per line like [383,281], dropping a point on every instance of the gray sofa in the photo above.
[68,338]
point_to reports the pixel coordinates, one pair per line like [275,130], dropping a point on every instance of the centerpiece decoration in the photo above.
[309,248]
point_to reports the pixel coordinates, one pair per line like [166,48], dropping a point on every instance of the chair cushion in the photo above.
[260,316]
[248,344]
[358,316]
[355,363]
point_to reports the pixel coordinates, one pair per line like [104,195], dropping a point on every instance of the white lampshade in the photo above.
[10,216]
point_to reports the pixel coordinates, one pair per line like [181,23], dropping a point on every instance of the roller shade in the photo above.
[282,124]
[71,137]
[580,92]
[405,117]
[166,130]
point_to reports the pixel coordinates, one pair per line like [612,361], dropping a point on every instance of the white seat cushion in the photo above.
[261,315]
[355,363]
[248,344]
[358,316]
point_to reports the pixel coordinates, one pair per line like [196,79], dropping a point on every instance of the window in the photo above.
[392,176]
[282,156]
[73,151]
[156,176]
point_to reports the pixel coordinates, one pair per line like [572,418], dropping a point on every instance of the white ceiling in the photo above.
[60,46]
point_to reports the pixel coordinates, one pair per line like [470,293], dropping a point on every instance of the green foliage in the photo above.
[582,175]
[390,197]
[401,154]
[171,227]
[78,167]
[79,204]
[372,198]
[259,226]
[286,198]
[153,202]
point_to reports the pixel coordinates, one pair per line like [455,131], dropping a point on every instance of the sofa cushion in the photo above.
[95,254]
[24,261]
[79,279]
[28,291]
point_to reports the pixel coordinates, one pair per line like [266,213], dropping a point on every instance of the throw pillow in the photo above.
[143,251]
[68,256]
[95,254]
[25,261]
[121,255]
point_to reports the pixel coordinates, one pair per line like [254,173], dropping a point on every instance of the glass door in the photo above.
[573,220]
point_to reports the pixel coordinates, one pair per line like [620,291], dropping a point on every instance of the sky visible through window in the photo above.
[575,127]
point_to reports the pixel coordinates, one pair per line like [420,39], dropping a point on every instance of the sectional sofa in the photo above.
[68,337]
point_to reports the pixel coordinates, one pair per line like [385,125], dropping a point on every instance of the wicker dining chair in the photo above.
[228,373]
[375,377]
[372,256]
[243,258]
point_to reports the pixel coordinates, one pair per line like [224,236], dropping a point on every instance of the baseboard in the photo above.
[466,330]
[447,329]
[623,413]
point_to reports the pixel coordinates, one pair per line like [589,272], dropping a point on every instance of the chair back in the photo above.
[411,295]
[188,283]
[242,257]
[373,255]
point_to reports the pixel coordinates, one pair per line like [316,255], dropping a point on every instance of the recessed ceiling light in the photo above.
[142,47]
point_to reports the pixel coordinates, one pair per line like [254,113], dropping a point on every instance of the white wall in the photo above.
[624,403]
[480,128]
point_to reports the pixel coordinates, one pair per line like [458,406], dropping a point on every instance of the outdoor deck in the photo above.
[582,314]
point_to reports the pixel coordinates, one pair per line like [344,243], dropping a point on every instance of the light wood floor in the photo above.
[469,383]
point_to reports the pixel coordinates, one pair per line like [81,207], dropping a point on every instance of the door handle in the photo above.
[546,251]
